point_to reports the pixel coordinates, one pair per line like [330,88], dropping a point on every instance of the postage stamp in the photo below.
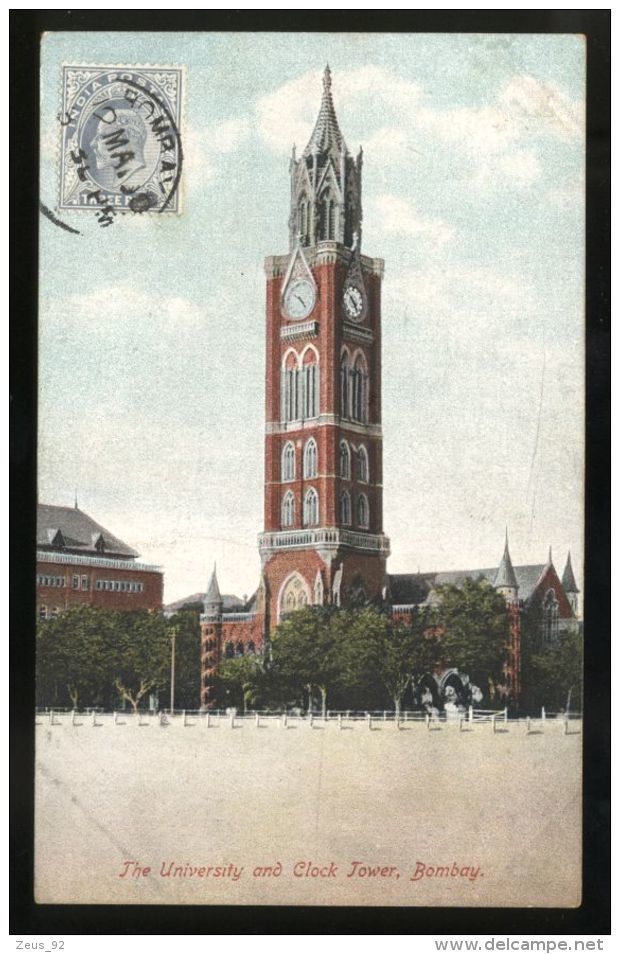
[121,143]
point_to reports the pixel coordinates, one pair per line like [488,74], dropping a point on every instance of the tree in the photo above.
[379,656]
[141,655]
[474,627]
[302,655]
[240,680]
[552,675]
[73,658]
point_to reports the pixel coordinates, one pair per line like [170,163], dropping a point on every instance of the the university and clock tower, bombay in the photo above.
[323,539]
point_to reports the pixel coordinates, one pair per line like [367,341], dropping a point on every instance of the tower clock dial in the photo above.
[353,302]
[299,299]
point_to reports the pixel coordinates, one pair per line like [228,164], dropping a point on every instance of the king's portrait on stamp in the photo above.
[309,582]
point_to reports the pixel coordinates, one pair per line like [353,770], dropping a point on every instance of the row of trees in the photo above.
[94,657]
[362,659]
[317,657]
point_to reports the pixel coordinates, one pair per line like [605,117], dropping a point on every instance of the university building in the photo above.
[323,540]
[79,562]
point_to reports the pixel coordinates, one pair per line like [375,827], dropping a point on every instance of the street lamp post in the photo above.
[173,637]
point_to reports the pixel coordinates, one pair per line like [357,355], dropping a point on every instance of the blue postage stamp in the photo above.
[121,143]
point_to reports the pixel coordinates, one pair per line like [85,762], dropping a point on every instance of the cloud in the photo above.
[123,308]
[395,215]
[204,149]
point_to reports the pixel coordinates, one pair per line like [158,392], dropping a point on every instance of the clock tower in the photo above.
[323,540]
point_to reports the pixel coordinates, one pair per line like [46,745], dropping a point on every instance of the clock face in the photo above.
[299,299]
[353,302]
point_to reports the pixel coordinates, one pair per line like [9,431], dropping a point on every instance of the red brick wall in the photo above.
[370,567]
[62,597]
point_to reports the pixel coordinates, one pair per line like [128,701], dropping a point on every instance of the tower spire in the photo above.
[568,577]
[326,182]
[550,557]
[213,595]
[505,577]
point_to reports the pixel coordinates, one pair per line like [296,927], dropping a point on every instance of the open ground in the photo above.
[274,813]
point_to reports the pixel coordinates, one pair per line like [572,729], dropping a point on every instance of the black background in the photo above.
[28,918]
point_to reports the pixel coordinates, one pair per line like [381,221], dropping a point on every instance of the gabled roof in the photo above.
[326,134]
[416,588]
[74,530]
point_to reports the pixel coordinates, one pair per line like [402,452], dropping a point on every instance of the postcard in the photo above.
[309,587]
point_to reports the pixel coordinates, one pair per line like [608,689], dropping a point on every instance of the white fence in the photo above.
[464,721]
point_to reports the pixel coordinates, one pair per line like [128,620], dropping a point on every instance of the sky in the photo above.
[151,331]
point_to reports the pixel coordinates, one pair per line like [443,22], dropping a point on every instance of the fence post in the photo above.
[528,723]
[543,714]
[506,714]
[208,719]
[51,717]
[493,718]
[427,719]
[94,717]
[232,719]
[471,713]
[566,724]
[284,720]
[256,718]
[369,720]
[461,720]
[340,720]
[73,717]
[384,715]
[311,719]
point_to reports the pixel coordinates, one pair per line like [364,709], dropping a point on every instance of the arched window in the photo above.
[345,460]
[229,650]
[239,648]
[311,508]
[359,389]
[288,509]
[288,461]
[345,410]
[251,649]
[362,511]
[310,458]
[43,611]
[345,508]
[309,397]
[550,614]
[293,595]
[362,464]
[289,386]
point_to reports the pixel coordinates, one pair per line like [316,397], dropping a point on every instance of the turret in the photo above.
[326,183]
[505,578]
[213,599]
[570,585]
